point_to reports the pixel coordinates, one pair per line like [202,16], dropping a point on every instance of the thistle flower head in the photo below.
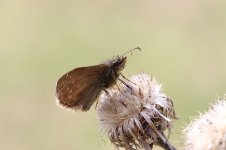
[136,116]
[208,131]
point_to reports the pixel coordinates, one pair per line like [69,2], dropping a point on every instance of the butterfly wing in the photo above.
[79,88]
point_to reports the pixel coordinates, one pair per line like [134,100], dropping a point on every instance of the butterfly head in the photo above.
[117,64]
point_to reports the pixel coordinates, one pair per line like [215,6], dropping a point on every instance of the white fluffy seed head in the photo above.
[208,131]
[136,117]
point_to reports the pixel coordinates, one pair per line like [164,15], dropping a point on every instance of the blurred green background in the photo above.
[183,46]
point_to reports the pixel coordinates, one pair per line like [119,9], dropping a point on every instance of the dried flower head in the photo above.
[208,132]
[136,117]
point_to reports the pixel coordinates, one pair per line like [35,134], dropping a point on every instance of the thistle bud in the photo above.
[208,131]
[136,117]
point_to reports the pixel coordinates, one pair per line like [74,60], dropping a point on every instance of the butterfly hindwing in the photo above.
[79,88]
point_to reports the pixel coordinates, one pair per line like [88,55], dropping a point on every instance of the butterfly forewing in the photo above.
[79,88]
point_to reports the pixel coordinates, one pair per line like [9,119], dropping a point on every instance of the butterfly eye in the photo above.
[105,85]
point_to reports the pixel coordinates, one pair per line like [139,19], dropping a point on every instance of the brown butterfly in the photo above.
[79,88]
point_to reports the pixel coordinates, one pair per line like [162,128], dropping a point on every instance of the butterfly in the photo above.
[79,88]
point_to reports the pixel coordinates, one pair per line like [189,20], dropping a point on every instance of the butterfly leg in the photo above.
[107,93]
[123,82]
[127,79]
[112,101]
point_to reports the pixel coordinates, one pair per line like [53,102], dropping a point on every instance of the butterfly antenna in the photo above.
[130,51]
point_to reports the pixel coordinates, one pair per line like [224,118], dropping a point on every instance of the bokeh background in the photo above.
[183,46]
